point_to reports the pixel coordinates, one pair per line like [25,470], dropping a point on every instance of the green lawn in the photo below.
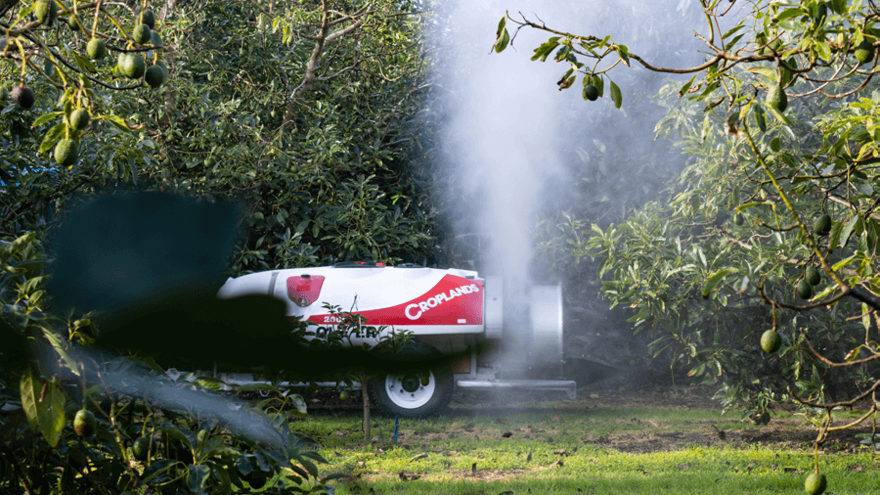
[594,451]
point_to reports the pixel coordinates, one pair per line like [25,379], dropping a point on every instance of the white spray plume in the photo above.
[506,127]
[511,144]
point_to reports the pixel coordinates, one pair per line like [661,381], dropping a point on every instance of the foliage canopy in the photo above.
[779,192]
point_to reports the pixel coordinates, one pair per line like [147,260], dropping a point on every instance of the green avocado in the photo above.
[148,18]
[141,34]
[131,65]
[79,119]
[591,92]
[66,152]
[771,341]
[43,10]
[155,76]
[816,484]
[141,448]
[84,423]
[804,289]
[776,98]
[822,225]
[97,48]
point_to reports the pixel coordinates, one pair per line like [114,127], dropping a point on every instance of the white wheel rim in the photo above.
[409,400]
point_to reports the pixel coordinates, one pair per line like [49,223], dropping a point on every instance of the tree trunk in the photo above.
[366,394]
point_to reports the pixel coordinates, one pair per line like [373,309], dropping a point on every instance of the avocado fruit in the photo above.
[771,341]
[822,226]
[155,76]
[141,34]
[591,92]
[23,96]
[816,484]
[79,119]
[97,48]
[804,289]
[141,448]
[84,423]
[149,18]
[776,98]
[66,152]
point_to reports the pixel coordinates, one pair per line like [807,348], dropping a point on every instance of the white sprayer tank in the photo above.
[436,305]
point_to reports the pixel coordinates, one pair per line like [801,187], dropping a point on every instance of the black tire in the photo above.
[403,395]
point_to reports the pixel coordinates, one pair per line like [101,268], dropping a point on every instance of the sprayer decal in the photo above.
[415,310]
[453,301]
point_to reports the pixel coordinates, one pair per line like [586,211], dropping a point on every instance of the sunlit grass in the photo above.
[550,452]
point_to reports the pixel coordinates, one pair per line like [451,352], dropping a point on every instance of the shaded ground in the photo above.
[785,430]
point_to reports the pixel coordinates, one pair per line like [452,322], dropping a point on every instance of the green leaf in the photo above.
[765,72]
[59,348]
[776,113]
[746,206]
[30,394]
[52,137]
[733,30]
[43,405]
[84,63]
[46,117]
[502,42]
[842,263]
[623,53]
[198,478]
[848,230]
[686,87]
[787,14]
[761,118]
[834,237]
[615,94]
[697,371]
[115,120]
[302,226]
[155,469]
[824,51]
[598,82]
[713,281]
[181,433]
[544,50]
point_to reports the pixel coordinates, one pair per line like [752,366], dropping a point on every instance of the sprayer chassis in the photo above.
[449,312]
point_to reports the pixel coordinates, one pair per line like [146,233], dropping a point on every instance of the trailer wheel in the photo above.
[404,395]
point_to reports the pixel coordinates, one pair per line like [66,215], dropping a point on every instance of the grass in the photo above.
[593,451]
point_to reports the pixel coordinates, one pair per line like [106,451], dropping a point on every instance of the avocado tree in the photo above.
[304,114]
[768,240]
[69,73]
[320,172]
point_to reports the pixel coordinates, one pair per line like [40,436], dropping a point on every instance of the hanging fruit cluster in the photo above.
[66,46]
